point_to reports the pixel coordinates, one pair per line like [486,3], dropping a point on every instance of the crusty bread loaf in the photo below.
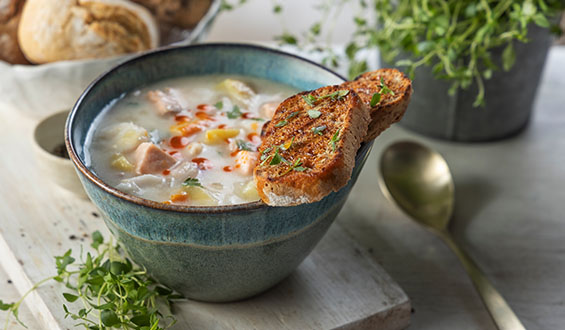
[315,136]
[392,106]
[10,13]
[54,30]
[181,13]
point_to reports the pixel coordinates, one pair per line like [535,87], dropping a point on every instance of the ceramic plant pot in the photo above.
[218,253]
[509,98]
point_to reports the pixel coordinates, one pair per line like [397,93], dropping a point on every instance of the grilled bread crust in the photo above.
[391,107]
[325,166]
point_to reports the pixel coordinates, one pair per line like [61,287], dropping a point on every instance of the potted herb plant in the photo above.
[476,65]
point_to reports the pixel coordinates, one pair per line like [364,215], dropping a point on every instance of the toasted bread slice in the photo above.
[391,107]
[309,146]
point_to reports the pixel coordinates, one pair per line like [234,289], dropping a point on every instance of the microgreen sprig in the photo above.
[194,182]
[311,99]
[112,290]
[334,139]
[376,99]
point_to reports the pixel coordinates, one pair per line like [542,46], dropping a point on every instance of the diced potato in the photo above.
[238,90]
[219,135]
[249,191]
[199,196]
[125,137]
[121,163]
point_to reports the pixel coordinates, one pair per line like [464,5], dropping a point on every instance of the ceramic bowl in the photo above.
[218,253]
[49,148]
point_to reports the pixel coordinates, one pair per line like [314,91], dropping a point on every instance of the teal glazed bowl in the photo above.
[217,253]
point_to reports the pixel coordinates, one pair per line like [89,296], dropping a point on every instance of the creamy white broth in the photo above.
[208,139]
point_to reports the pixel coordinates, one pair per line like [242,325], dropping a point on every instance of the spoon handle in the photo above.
[498,308]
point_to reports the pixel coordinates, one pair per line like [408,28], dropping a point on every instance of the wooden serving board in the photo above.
[337,286]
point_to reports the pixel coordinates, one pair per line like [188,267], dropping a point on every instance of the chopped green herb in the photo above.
[314,113]
[265,152]
[192,182]
[384,88]
[319,129]
[337,95]
[256,119]
[334,139]
[277,158]
[219,105]
[295,166]
[375,99]
[242,145]
[235,113]
[285,121]
[310,99]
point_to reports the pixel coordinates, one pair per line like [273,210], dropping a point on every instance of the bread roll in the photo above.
[55,30]
[10,51]
[181,13]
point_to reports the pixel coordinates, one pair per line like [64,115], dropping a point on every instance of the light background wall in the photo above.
[255,21]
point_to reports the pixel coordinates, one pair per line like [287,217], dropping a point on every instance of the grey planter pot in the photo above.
[509,98]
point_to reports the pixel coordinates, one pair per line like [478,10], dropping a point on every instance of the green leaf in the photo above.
[315,29]
[309,99]
[242,145]
[375,99]
[194,182]
[281,123]
[334,139]
[287,38]
[235,113]
[119,268]
[319,129]
[5,306]
[219,105]
[109,318]
[508,57]
[97,239]
[70,297]
[356,68]
[351,50]
[541,20]
[277,9]
[141,320]
[314,113]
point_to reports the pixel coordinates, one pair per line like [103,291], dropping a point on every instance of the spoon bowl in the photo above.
[418,180]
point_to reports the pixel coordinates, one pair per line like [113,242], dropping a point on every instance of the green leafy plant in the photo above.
[455,38]
[106,290]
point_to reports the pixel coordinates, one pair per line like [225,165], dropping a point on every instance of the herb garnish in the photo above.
[285,121]
[313,113]
[318,130]
[334,139]
[112,290]
[235,113]
[276,157]
[242,145]
[383,91]
[311,100]
[295,167]
[219,105]
[192,182]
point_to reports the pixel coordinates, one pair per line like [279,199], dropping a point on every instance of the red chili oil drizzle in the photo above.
[228,168]
[203,163]
[178,142]
[166,172]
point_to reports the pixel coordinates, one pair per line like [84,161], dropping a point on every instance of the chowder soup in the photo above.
[186,141]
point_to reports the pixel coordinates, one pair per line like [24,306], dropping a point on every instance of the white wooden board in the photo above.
[338,286]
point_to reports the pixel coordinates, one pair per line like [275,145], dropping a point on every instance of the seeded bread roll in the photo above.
[180,13]
[10,12]
[55,30]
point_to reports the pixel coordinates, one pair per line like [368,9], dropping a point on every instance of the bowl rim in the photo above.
[81,167]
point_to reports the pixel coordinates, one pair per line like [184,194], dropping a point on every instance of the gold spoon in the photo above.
[419,181]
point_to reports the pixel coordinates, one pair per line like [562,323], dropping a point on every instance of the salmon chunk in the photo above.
[149,158]
[167,101]
[246,161]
